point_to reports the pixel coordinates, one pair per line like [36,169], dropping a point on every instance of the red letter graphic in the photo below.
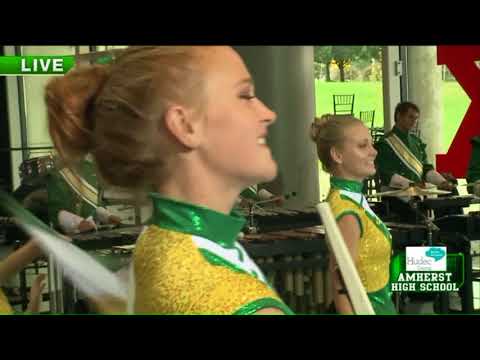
[460,62]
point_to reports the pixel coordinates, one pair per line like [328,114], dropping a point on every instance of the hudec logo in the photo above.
[426,258]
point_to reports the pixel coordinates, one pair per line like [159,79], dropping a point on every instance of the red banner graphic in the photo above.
[460,60]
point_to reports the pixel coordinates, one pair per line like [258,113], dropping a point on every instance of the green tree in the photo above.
[344,55]
[370,57]
[370,52]
[323,55]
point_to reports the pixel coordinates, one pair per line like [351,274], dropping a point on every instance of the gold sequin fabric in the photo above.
[5,307]
[173,277]
[375,249]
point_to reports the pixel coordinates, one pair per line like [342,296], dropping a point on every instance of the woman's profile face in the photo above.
[357,153]
[236,122]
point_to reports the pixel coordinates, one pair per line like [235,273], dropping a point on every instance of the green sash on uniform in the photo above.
[81,187]
[404,154]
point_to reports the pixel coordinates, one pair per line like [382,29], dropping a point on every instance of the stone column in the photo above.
[425,90]
[284,81]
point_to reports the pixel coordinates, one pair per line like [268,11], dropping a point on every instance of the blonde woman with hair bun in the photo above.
[345,148]
[185,121]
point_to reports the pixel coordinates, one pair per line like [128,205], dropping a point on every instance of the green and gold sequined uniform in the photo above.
[189,262]
[375,247]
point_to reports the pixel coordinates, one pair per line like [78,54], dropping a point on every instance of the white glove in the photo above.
[69,222]
[264,194]
[434,177]
[102,215]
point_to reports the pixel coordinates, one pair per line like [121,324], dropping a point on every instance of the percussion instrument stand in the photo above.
[427,220]
[431,227]
[252,229]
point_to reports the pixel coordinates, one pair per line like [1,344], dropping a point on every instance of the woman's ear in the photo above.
[183,125]
[336,155]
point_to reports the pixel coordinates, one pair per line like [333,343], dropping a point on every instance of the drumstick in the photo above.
[358,297]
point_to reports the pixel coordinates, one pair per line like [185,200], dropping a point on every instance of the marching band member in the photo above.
[345,148]
[402,160]
[175,118]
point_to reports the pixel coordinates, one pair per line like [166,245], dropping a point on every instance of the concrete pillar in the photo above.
[425,90]
[284,81]
[392,70]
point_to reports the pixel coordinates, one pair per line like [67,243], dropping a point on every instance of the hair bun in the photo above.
[69,101]
[318,124]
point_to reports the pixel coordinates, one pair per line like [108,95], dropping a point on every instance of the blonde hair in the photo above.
[328,131]
[114,111]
